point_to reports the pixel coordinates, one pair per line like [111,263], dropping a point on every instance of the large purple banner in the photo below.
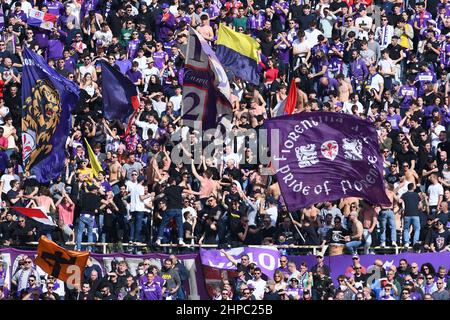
[322,156]
[266,258]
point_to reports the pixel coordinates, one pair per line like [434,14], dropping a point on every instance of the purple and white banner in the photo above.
[321,156]
[206,90]
[266,258]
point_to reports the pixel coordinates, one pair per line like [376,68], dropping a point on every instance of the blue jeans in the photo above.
[387,216]
[85,222]
[352,246]
[415,221]
[169,214]
[136,230]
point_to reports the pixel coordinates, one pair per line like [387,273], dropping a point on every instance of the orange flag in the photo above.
[59,262]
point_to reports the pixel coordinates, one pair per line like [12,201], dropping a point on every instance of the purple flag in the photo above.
[206,90]
[266,258]
[320,156]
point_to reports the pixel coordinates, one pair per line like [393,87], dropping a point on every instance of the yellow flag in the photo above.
[95,164]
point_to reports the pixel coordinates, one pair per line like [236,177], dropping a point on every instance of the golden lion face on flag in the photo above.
[42,112]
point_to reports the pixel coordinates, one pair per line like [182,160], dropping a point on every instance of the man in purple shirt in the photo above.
[407,93]
[134,74]
[54,7]
[165,22]
[151,290]
[256,21]
[123,63]
[358,71]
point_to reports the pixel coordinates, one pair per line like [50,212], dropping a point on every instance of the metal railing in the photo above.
[308,249]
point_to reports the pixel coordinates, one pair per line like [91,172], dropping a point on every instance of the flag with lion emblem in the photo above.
[47,101]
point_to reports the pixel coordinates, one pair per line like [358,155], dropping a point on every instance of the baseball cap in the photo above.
[164,6]
[150,60]
[355,256]
[408,283]
[361,8]
[395,83]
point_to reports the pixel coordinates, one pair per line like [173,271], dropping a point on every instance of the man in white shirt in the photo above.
[272,211]
[258,284]
[435,193]
[158,104]
[150,123]
[137,207]
[176,99]
[384,33]
[149,71]
[363,23]
[311,34]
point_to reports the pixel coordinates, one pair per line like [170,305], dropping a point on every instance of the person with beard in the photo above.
[439,240]
[172,278]
[129,291]
[323,286]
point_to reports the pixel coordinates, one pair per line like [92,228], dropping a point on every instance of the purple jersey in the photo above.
[422,18]
[336,63]
[394,120]
[54,7]
[134,76]
[294,291]
[423,78]
[409,93]
[444,56]
[318,65]
[159,58]
[151,292]
[324,47]
[256,21]
[279,12]
[70,65]
[185,19]
[133,46]
[358,69]
[212,11]
[283,51]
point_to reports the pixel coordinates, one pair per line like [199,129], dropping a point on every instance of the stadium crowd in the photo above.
[407,281]
[385,61]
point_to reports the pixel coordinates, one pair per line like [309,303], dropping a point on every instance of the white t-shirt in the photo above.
[376,82]
[260,286]
[145,126]
[159,106]
[6,179]
[273,214]
[188,209]
[434,191]
[300,46]
[176,100]
[136,190]
[311,37]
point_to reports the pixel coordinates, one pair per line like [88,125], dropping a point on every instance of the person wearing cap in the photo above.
[293,291]
[363,23]
[166,23]
[320,264]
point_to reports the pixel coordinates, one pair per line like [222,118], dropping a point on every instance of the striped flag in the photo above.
[36,214]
